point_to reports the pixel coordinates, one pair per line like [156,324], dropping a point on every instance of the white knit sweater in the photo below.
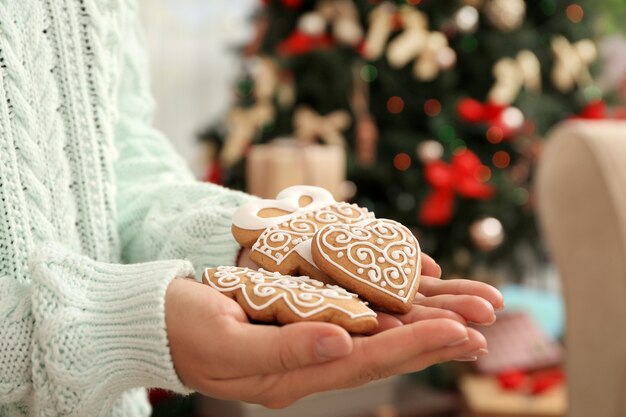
[87,187]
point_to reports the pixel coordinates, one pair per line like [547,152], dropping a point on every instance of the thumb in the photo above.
[271,349]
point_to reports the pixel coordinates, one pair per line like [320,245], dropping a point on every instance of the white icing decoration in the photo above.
[340,255]
[299,293]
[373,275]
[380,241]
[299,230]
[247,216]
[390,267]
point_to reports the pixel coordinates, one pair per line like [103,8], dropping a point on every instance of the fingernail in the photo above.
[479,352]
[332,347]
[458,342]
[467,359]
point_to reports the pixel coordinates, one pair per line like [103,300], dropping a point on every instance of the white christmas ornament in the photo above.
[429,150]
[487,234]
[466,19]
[513,117]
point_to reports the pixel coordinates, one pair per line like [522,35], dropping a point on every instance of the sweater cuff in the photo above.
[101,327]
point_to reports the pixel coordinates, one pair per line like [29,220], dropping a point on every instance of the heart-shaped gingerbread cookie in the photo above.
[379,259]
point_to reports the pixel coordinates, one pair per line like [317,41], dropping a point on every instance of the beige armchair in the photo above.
[582,206]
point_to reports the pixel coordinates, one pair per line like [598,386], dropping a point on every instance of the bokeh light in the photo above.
[432,107]
[395,105]
[369,73]
[495,135]
[402,161]
[501,159]
[575,13]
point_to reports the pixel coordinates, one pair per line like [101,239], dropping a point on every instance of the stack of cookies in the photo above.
[313,251]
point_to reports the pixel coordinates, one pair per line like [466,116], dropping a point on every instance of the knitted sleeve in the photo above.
[164,213]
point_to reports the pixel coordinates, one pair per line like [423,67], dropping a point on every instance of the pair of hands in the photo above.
[217,352]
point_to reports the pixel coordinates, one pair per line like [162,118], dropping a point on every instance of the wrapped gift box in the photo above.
[484,397]
[282,163]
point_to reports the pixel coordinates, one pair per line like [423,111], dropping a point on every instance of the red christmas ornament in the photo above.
[460,177]
[301,43]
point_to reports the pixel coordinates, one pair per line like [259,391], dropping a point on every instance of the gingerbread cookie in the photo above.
[279,232]
[272,297]
[379,259]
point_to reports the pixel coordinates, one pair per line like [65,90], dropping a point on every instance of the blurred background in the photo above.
[434,113]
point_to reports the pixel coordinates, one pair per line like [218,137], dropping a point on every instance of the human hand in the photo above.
[216,351]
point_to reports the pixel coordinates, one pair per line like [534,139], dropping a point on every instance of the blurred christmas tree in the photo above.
[449,102]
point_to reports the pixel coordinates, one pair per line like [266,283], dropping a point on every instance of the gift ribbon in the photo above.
[489,113]
[309,126]
[513,74]
[447,180]
[572,61]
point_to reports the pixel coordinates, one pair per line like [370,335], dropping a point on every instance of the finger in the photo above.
[375,356]
[270,349]
[475,346]
[430,267]
[472,308]
[422,312]
[372,358]
[430,286]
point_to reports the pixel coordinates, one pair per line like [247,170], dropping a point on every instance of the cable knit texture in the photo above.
[96,213]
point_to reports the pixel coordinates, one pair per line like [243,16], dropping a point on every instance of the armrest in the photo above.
[581,189]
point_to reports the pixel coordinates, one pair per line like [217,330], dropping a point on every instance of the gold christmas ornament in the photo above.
[505,15]
[487,234]
[572,61]
[513,74]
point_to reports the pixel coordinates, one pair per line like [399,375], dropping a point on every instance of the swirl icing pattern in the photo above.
[280,241]
[304,296]
[380,253]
